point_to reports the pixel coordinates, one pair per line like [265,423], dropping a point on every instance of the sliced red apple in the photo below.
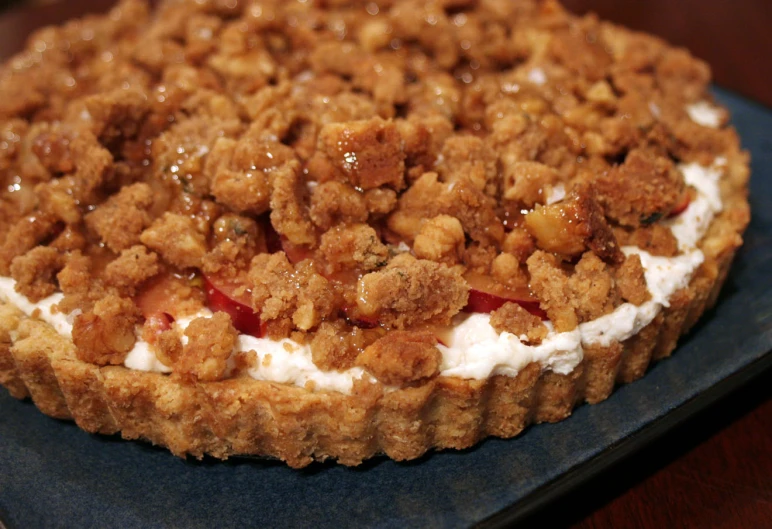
[160,295]
[487,295]
[155,324]
[233,299]
[681,206]
[156,300]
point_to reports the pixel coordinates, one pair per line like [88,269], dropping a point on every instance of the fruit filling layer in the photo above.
[471,347]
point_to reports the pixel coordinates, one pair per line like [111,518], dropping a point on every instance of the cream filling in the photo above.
[474,350]
[705,114]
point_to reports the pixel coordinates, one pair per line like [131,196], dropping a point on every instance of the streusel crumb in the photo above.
[105,335]
[402,357]
[177,240]
[131,268]
[410,291]
[210,344]
[120,221]
[511,317]
[631,281]
[35,272]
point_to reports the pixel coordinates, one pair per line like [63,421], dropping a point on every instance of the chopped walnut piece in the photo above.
[513,318]
[105,335]
[641,190]
[355,246]
[571,226]
[383,77]
[120,221]
[402,357]
[134,266]
[367,153]
[550,284]
[35,272]
[410,291]
[176,239]
[441,239]
[631,281]
[210,343]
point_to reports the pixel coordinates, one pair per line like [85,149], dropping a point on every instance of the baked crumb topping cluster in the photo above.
[351,175]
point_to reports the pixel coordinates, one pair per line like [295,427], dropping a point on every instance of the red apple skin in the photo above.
[155,324]
[155,300]
[161,321]
[486,302]
[219,297]
[487,295]
[681,206]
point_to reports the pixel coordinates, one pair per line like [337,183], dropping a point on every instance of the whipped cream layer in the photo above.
[474,350]
[705,114]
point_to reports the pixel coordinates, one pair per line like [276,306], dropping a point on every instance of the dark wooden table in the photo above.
[715,470]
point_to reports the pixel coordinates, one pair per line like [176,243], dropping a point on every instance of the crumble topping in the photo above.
[339,174]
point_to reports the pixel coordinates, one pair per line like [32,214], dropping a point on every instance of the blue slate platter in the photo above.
[54,475]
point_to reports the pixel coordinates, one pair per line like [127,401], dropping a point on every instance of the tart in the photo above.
[331,230]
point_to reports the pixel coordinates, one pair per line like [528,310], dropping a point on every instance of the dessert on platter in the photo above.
[335,229]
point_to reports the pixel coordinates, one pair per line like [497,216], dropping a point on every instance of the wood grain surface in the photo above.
[715,471]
